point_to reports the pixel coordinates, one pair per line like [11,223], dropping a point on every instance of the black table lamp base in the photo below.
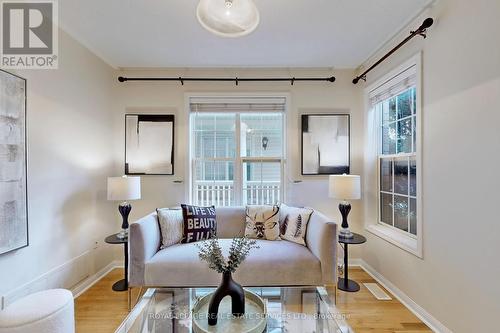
[124,210]
[345,208]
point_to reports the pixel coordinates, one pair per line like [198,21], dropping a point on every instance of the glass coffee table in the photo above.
[289,309]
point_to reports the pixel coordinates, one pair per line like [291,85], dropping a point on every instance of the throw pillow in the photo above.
[199,223]
[293,223]
[171,226]
[262,222]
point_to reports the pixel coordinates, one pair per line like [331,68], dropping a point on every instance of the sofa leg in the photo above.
[129,298]
[139,294]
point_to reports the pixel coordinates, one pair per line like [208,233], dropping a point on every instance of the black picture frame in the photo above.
[151,118]
[25,171]
[326,170]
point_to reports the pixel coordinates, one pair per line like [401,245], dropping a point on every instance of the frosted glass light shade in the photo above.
[345,187]
[124,188]
[228,18]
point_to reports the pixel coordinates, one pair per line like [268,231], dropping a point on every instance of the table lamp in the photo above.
[124,189]
[345,187]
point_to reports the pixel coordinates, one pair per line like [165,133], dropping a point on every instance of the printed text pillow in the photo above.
[199,223]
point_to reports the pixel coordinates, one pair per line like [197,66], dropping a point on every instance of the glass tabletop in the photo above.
[290,309]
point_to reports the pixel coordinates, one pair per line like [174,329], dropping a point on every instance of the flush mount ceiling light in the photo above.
[228,18]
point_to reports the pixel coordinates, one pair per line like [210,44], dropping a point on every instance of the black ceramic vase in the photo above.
[227,288]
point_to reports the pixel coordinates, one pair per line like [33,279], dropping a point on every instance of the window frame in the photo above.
[402,239]
[238,159]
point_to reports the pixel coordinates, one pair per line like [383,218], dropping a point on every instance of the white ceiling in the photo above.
[292,33]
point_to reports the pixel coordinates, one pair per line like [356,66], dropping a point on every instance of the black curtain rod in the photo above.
[421,31]
[236,80]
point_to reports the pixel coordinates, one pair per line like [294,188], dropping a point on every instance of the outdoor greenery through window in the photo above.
[237,157]
[398,160]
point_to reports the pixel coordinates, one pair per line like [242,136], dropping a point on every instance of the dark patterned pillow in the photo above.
[199,223]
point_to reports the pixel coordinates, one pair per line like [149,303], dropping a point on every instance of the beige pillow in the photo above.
[171,226]
[262,222]
[293,223]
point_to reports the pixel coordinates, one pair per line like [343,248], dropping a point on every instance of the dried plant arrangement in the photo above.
[210,251]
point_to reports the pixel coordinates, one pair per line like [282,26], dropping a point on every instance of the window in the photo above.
[394,113]
[237,152]
[397,161]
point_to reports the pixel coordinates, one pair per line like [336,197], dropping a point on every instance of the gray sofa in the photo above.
[275,263]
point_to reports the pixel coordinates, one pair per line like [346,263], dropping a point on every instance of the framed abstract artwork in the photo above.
[13,160]
[149,144]
[325,144]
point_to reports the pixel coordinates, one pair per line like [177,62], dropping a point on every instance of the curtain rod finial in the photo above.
[426,24]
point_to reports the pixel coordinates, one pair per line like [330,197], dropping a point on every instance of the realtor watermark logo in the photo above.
[29,32]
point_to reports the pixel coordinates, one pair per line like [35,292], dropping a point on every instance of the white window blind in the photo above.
[392,87]
[213,105]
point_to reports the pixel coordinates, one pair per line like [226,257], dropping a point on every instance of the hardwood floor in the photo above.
[101,310]
[367,314]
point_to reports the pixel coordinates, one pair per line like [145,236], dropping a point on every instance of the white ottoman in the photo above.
[48,311]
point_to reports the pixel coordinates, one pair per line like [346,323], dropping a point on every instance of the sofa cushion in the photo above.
[293,223]
[273,263]
[171,226]
[230,221]
[199,223]
[262,222]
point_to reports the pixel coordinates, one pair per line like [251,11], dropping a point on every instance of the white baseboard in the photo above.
[77,275]
[416,309]
[81,287]
[355,262]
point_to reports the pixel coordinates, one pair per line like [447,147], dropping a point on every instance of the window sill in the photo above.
[401,240]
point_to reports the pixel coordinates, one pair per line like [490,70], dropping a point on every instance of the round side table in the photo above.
[344,283]
[121,285]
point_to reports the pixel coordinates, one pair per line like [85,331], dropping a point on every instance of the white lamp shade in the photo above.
[124,188]
[228,18]
[345,187]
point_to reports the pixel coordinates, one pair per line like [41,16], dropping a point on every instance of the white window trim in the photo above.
[390,234]
[211,96]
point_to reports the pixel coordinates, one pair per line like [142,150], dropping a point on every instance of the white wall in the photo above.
[160,191]
[74,112]
[457,279]
[69,157]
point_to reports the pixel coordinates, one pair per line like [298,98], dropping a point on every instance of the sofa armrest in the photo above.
[321,239]
[144,242]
